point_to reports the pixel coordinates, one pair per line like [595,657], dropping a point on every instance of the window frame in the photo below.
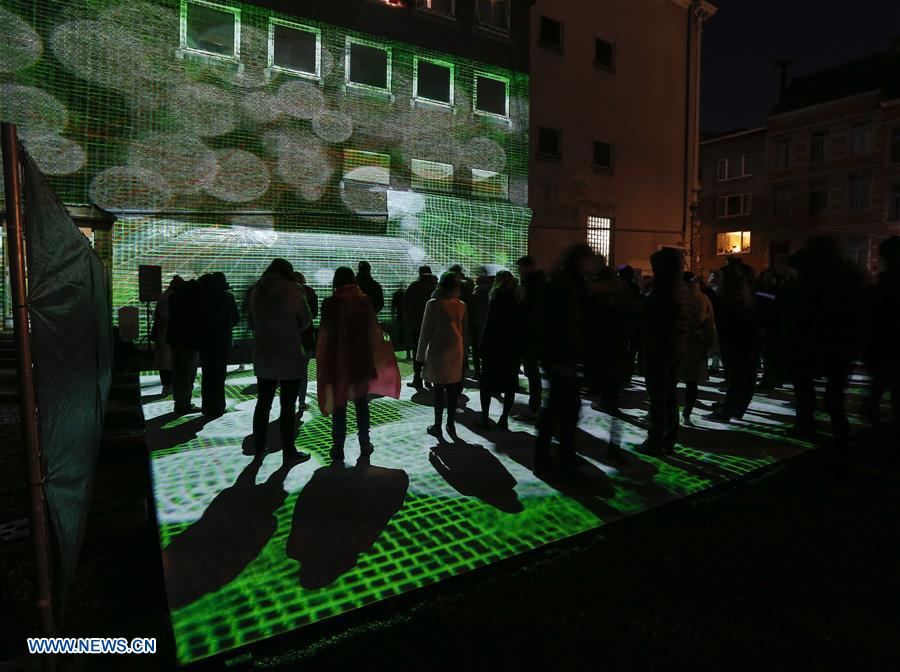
[749,236]
[788,161]
[746,198]
[601,229]
[823,134]
[612,157]
[504,196]
[363,42]
[602,66]
[854,181]
[443,63]
[344,172]
[436,12]
[427,189]
[547,155]
[491,28]
[273,67]
[810,191]
[893,205]
[496,78]
[183,30]
[894,142]
[867,138]
[777,191]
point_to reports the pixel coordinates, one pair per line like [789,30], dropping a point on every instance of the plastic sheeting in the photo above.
[70,311]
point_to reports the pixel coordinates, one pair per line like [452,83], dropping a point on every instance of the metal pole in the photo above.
[27,397]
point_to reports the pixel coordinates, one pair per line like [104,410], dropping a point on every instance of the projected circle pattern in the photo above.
[183,160]
[122,187]
[21,45]
[241,177]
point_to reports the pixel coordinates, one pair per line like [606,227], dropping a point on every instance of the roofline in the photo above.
[823,104]
[709,10]
[729,136]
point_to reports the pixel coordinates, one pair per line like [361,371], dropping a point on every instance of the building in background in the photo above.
[734,204]
[834,159]
[223,134]
[614,132]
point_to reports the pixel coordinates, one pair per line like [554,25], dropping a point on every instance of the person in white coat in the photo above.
[280,315]
[442,348]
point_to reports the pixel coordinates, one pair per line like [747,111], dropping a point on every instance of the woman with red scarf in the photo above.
[352,361]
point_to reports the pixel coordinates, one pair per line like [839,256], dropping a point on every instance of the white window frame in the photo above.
[183,30]
[742,233]
[367,87]
[273,21]
[420,6]
[485,26]
[599,235]
[746,201]
[496,78]
[442,63]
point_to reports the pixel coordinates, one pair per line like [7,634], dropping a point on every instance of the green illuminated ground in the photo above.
[248,556]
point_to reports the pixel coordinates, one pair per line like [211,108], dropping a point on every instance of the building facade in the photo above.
[223,134]
[734,205]
[614,135]
[834,159]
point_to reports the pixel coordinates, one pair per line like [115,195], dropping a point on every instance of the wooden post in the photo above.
[27,396]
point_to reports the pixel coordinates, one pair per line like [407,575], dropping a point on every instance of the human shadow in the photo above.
[161,438]
[229,535]
[273,437]
[339,515]
[474,471]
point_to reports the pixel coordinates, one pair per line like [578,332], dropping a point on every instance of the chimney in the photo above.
[783,68]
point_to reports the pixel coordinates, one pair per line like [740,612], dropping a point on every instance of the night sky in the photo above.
[744,40]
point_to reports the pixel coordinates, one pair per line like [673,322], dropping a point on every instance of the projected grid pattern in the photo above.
[463,506]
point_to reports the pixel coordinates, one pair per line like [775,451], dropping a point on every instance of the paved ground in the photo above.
[251,554]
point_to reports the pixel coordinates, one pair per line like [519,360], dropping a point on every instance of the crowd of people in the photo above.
[584,326]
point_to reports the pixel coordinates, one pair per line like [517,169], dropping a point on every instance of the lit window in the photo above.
[549,142]
[493,14]
[431,176]
[433,81]
[603,155]
[551,34]
[733,242]
[488,184]
[368,65]
[294,48]
[371,167]
[734,205]
[444,7]
[599,233]
[604,54]
[492,95]
[210,29]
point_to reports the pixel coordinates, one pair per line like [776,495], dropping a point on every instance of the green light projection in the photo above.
[250,555]
[188,111]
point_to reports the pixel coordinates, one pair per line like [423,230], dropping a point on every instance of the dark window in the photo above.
[493,14]
[490,95]
[211,29]
[603,155]
[294,48]
[551,33]
[604,54]
[860,192]
[894,204]
[368,65]
[433,81]
[782,153]
[444,7]
[818,198]
[783,203]
[817,146]
[549,142]
[895,145]
[861,139]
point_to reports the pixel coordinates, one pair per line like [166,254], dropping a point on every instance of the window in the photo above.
[211,29]
[861,139]
[493,14]
[894,204]
[368,65]
[433,81]
[818,198]
[895,145]
[492,95]
[551,34]
[735,205]
[859,192]
[444,7]
[604,54]
[599,233]
[431,176]
[549,142]
[782,154]
[603,155]
[733,169]
[783,203]
[488,184]
[733,242]
[371,167]
[857,250]
[294,48]
[817,146]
